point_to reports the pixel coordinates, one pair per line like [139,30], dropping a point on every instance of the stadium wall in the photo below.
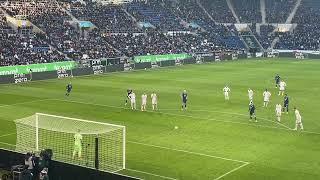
[102,68]
[58,170]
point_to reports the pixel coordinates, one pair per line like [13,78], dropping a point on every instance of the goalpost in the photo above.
[103,145]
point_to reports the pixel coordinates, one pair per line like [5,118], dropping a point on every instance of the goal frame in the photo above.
[87,121]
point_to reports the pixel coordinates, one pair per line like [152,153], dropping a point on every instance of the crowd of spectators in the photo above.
[277,11]
[156,12]
[266,36]
[117,33]
[16,49]
[306,36]
[155,42]
[3,23]
[111,18]
[219,11]
[248,11]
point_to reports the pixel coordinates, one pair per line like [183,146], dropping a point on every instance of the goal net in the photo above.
[102,145]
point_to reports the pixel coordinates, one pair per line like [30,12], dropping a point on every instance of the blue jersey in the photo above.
[286,100]
[277,79]
[69,87]
[184,97]
[129,91]
[252,108]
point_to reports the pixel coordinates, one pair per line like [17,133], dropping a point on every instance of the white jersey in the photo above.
[154,98]
[278,109]
[282,86]
[250,94]
[77,139]
[226,89]
[266,96]
[298,116]
[132,97]
[144,99]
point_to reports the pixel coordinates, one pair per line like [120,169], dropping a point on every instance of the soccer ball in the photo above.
[176,127]
[145,68]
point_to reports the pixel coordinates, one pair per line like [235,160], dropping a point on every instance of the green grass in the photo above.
[210,132]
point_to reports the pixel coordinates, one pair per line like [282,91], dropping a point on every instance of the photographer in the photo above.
[29,162]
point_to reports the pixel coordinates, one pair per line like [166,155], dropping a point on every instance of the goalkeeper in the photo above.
[77,145]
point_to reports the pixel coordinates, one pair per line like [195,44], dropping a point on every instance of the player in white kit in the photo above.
[226,91]
[154,101]
[298,119]
[132,97]
[278,112]
[266,98]
[250,94]
[144,97]
[282,88]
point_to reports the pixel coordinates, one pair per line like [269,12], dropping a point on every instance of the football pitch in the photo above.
[214,139]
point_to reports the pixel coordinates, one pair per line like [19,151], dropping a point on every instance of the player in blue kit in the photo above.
[252,111]
[286,103]
[184,97]
[69,88]
[129,91]
[277,80]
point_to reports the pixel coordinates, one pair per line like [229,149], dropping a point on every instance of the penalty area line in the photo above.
[174,114]
[238,114]
[26,102]
[152,174]
[233,170]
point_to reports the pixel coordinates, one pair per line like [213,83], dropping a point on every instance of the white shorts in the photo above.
[133,101]
[266,100]
[154,102]
[144,103]
[278,114]
[226,94]
[281,88]
[77,148]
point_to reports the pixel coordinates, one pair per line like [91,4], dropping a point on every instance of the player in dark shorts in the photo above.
[69,88]
[277,79]
[184,97]
[286,103]
[129,91]
[252,111]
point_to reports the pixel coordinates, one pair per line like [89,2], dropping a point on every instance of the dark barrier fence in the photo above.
[101,69]
[58,170]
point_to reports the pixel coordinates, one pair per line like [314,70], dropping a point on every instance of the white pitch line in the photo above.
[233,170]
[8,144]
[9,134]
[238,114]
[188,152]
[26,102]
[152,174]
[173,114]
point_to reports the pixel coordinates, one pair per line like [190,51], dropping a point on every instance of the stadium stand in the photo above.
[147,27]
[157,13]
[307,33]
[265,36]
[278,10]
[248,10]
[111,18]
[219,11]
